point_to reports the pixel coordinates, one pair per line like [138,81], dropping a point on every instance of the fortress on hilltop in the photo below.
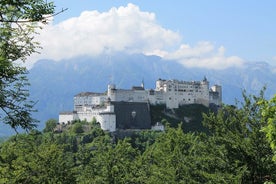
[130,108]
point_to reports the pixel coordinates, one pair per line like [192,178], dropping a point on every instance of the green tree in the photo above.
[18,23]
[269,116]
[94,121]
[50,125]
[144,139]
[110,163]
[77,128]
[239,131]
[27,159]
[177,157]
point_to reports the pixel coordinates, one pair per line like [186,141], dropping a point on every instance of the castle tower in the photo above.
[142,84]
[218,89]
[111,92]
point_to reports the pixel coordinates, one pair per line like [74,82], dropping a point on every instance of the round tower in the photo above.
[218,89]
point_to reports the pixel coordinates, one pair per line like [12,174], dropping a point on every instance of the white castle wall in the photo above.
[107,121]
[65,118]
[126,95]
[182,92]
[172,93]
[105,116]
[88,99]
[216,95]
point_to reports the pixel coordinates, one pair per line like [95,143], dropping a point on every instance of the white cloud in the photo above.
[186,51]
[92,33]
[125,29]
[204,55]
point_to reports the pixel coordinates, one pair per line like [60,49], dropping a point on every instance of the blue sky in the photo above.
[234,31]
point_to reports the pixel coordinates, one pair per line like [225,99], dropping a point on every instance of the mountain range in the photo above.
[54,83]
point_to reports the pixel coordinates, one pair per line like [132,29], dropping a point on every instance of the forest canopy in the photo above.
[235,149]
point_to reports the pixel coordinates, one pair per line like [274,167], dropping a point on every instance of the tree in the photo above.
[239,131]
[26,159]
[109,163]
[144,139]
[50,125]
[19,21]
[269,116]
[77,128]
[178,157]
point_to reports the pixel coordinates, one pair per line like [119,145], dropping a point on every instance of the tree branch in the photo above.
[43,20]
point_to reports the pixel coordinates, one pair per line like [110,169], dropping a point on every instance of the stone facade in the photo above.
[172,93]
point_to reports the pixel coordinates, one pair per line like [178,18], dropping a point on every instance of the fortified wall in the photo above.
[107,110]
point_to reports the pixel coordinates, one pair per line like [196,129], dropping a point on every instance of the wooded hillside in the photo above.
[235,150]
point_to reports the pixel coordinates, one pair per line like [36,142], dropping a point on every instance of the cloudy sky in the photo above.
[211,34]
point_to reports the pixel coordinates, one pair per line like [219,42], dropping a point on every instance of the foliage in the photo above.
[239,131]
[24,159]
[144,139]
[50,125]
[177,157]
[191,116]
[235,150]
[269,116]
[111,164]
[3,139]
[18,24]
[77,128]
[193,112]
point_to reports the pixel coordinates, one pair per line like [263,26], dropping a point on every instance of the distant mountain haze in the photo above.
[54,83]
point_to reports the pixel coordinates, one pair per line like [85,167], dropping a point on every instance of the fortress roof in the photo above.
[137,88]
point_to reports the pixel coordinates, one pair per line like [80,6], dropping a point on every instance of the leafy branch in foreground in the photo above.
[19,21]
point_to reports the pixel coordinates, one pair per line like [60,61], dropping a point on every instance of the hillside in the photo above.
[84,153]
[189,115]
